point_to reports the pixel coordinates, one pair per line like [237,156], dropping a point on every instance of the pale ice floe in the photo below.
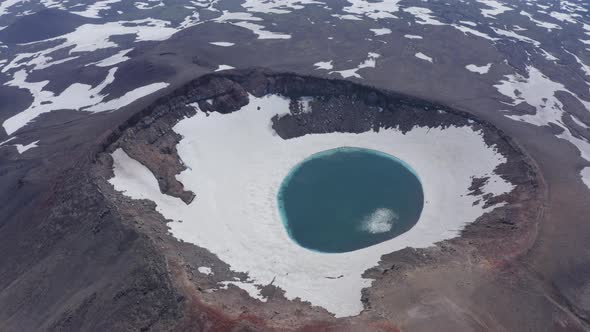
[423,56]
[222,44]
[236,163]
[381,31]
[379,221]
[479,69]
[370,62]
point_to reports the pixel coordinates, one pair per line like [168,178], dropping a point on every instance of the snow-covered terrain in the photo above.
[236,163]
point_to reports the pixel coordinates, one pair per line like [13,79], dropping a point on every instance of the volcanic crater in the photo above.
[495,219]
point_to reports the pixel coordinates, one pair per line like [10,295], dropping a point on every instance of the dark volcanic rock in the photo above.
[42,25]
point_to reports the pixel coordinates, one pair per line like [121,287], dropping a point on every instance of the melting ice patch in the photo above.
[236,214]
[380,221]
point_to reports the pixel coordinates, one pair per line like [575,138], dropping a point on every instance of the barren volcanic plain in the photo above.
[147,147]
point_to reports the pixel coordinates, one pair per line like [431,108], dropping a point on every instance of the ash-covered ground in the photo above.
[73,74]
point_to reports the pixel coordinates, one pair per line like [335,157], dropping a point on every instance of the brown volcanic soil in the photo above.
[443,286]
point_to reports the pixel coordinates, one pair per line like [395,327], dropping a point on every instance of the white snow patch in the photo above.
[585,174]
[22,148]
[205,270]
[7,140]
[423,56]
[497,8]
[127,98]
[423,15]
[585,68]
[222,44]
[474,32]
[148,5]
[378,9]
[473,24]
[250,288]
[92,37]
[370,62]
[381,31]
[224,67]
[539,91]
[236,163]
[542,24]
[113,59]
[326,65]
[512,34]
[260,31]
[276,6]
[6,4]
[479,69]
[75,97]
[563,17]
[93,10]
[347,17]
[413,37]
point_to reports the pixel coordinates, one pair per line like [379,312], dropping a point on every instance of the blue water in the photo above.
[349,198]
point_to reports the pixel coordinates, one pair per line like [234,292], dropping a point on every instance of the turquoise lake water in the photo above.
[348,198]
